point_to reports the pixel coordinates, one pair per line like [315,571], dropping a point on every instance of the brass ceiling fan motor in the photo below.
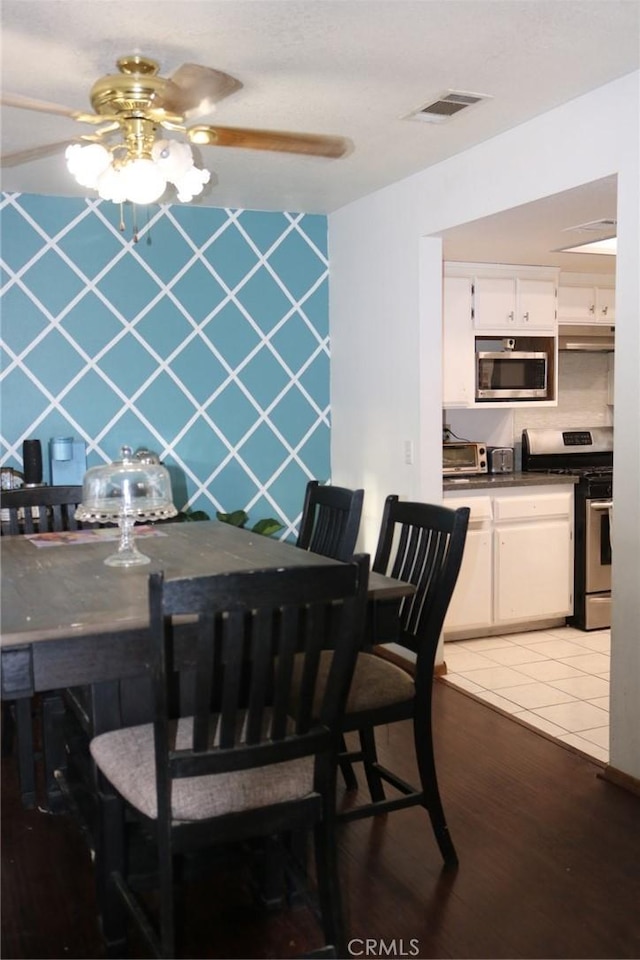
[133,91]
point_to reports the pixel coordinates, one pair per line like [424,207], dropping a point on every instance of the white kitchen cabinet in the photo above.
[514,304]
[586,304]
[471,604]
[534,560]
[605,305]
[458,377]
[519,568]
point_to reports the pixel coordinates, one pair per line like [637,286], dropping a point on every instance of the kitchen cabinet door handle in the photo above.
[601,505]
[526,317]
[604,311]
[510,317]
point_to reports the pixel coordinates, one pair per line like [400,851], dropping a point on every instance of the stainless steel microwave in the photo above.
[512,375]
[464,457]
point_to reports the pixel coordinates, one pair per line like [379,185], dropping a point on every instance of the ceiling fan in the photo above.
[135,104]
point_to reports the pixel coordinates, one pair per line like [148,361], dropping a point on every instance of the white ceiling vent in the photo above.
[594,226]
[446,106]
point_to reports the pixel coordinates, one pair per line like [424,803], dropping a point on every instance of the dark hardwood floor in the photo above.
[549,864]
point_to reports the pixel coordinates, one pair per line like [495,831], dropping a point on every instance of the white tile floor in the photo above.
[554,680]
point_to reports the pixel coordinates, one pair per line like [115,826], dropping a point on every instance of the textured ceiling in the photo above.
[535,232]
[349,67]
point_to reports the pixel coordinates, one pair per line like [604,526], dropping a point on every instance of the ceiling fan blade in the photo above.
[314,144]
[43,106]
[49,149]
[34,153]
[193,90]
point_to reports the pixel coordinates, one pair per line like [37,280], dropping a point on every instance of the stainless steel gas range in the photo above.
[588,454]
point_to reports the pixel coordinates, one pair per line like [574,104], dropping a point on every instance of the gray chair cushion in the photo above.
[127,759]
[376,683]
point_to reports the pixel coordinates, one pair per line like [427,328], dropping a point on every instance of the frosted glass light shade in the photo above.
[191,184]
[173,158]
[144,181]
[140,180]
[87,163]
[111,185]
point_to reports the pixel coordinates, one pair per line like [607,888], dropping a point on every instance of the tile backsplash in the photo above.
[582,395]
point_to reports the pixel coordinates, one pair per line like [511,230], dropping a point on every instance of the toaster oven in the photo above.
[464,457]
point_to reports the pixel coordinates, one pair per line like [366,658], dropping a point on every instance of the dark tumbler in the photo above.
[32,461]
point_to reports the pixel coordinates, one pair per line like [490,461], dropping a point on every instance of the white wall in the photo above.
[385,310]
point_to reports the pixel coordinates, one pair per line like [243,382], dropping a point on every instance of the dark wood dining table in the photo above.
[68,620]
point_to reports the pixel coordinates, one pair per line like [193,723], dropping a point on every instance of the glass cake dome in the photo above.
[130,490]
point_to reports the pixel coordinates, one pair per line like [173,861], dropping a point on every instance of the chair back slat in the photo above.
[330,520]
[317,641]
[249,627]
[291,627]
[422,544]
[30,510]
[232,633]
[261,683]
[203,682]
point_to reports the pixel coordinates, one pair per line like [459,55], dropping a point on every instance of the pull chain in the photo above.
[134,222]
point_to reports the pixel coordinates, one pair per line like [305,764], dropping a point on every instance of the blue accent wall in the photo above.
[206,341]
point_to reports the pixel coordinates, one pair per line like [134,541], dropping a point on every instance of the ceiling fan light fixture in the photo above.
[137,102]
[140,180]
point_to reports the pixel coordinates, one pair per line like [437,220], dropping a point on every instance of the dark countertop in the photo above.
[488,481]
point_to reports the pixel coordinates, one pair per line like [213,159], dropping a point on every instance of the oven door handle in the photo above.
[601,504]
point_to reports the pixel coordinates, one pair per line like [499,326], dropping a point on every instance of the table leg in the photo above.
[53,749]
[26,758]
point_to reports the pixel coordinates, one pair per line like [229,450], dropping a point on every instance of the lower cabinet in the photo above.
[518,562]
[471,604]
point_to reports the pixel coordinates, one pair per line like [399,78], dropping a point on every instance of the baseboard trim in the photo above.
[621,779]
[502,628]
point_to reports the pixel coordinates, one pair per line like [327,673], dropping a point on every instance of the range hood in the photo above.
[588,338]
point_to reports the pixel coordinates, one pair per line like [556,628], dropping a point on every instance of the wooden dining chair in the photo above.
[330,520]
[29,510]
[421,544]
[252,766]
[39,509]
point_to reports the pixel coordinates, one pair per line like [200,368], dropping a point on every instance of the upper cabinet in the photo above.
[458,355]
[516,303]
[585,298]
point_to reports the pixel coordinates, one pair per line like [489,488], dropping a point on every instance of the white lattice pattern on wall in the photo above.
[206,340]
